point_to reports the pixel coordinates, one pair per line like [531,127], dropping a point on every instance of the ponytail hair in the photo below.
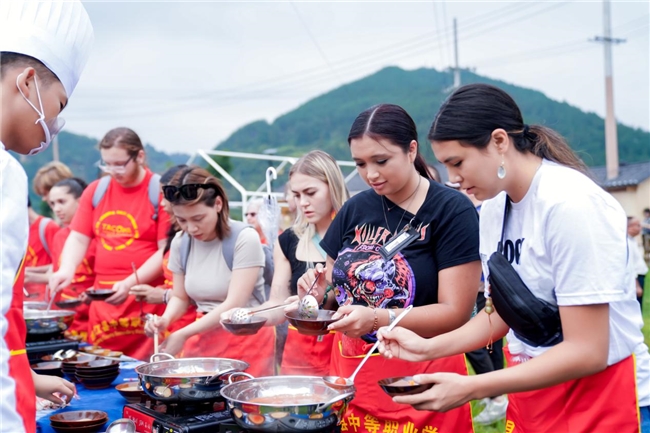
[393,123]
[474,111]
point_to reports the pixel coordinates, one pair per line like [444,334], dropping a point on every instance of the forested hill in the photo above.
[81,153]
[324,122]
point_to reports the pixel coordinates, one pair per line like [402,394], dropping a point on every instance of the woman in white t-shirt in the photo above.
[592,375]
[202,274]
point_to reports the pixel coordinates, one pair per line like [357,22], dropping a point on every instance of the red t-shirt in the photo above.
[36,253]
[84,277]
[123,226]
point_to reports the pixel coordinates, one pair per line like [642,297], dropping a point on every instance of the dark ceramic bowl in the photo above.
[98,382]
[250,328]
[68,303]
[51,368]
[93,428]
[315,326]
[99,294]
[131,391]
[78,418]
[402,385]
[98,364]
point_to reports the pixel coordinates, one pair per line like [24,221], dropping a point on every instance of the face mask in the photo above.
[50,128]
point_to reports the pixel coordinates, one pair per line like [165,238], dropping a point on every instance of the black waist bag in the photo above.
[534,321]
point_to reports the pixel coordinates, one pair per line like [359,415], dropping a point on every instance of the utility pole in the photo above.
[611,137]
[456,68]
[55,148]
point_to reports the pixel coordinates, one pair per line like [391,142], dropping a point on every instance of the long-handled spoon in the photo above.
[243,315]
[341,382]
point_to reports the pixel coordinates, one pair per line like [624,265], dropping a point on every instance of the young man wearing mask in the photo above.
[44,47]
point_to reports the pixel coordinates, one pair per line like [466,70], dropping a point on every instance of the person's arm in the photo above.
[583,352]
[240,289]
[456,298]
[38,276]
[73,253]
[176,306]
[52,388]
[149,271]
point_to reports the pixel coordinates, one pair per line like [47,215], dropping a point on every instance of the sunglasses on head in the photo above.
[189,191]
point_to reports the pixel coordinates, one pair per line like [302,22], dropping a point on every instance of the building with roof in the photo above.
[631,187]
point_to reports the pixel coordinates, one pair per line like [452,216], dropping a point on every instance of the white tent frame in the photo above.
[281,162]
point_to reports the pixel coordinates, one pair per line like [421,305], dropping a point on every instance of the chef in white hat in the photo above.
[44,47]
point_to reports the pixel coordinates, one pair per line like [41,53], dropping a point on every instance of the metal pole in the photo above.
[55,148]
[456,69]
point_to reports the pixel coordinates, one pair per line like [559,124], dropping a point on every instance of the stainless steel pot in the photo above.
[320,408]
[34,305]
[188,379]
[47,322]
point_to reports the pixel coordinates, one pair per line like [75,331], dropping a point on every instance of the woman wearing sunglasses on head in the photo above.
[218,264]
[319,191]
[407,241]
[161,294]
[557,280]
[122,212]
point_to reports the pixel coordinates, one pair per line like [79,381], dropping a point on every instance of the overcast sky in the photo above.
[185,75]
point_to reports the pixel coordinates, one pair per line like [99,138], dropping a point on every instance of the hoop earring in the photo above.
[501,172]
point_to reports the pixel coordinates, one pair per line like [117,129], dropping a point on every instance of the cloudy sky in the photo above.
[185,75]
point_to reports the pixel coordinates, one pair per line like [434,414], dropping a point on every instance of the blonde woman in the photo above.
[319,190]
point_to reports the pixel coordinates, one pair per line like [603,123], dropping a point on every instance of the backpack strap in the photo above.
[186,244]
[154,193]
[229,243]
[102,186]
[42,226]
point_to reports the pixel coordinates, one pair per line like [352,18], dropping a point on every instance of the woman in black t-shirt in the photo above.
[437,272]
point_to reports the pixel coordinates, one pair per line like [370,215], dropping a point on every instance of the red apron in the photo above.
[373,411]
[120,327]
[257,350]
[190,314]
[19,368]
[307,355]
[604,402]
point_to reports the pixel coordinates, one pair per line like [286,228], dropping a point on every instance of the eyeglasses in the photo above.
[189,191]
[251,214]
[114,168]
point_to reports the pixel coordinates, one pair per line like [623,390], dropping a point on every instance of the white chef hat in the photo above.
[56,32]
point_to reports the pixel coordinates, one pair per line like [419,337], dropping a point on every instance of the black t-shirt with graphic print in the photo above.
[448,237]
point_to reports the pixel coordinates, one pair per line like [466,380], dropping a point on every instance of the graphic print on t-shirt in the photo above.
[361,276]
[512,250]
[116,230]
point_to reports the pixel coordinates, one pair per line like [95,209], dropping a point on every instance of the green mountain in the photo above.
[324,122]
[80,153]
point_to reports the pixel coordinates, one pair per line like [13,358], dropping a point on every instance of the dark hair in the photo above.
[75,186]
[193,175]
[10,60]
[474,111]
[29,202]
[168,175]
[390,122]
[124,138]
[646,210]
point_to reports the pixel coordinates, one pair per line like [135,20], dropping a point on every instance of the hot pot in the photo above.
[286,403]
[47,322]
[187,380]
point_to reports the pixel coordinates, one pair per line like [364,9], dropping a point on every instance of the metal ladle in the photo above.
[244,315]
[336,382]
[122,425]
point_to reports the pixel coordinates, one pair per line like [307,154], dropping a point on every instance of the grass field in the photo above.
[500,426]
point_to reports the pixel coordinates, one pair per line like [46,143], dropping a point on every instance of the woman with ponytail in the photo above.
[557,280]
[375,275]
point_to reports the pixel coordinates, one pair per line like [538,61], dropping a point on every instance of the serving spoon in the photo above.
[244,315]
[342,382]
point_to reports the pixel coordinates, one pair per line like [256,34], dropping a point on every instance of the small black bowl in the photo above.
[249,328]
[99,294]
[315,326]
[402,385]
[50,368]
[68,303]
